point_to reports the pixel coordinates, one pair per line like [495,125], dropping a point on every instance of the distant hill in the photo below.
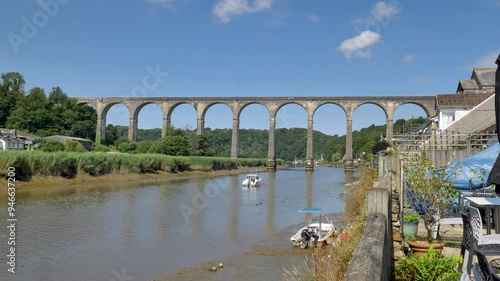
[290,142]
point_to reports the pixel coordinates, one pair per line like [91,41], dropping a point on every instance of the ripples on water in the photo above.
[149,231]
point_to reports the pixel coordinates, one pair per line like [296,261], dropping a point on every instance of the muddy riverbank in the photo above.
[268,260]
[63,186]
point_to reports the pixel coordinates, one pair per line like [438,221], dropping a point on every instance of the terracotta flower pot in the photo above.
[421,247]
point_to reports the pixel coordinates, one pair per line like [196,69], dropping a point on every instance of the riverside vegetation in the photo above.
[42,114]
[331,264]
[71,164]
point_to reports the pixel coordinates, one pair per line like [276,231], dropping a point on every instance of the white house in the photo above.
[470,93]
[8,142]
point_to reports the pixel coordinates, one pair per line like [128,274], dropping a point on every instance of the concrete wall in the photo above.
[477,120]
[372,259]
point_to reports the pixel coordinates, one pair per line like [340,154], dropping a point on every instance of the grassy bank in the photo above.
[71,164]
[331,264]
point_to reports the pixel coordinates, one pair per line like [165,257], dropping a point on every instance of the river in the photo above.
[143,232]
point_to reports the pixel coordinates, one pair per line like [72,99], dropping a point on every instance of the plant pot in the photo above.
[421,247]
[410,228]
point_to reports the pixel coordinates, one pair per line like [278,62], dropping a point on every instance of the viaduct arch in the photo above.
[388,104]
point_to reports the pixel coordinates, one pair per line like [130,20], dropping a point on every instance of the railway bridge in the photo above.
[201,104]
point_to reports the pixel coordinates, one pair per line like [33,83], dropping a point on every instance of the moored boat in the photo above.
[252,180]
[315,232]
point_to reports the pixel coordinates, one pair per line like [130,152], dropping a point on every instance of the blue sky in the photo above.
[98,48]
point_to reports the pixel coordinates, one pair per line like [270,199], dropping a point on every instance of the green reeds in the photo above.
[69,164]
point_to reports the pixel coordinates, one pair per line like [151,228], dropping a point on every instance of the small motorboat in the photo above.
[252,180]
[315,232]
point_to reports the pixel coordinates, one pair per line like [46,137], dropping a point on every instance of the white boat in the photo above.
[252,180]
[315,232]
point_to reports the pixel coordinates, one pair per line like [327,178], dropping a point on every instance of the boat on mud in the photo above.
[316,232]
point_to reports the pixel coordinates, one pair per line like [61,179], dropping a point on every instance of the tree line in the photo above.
[40,114]
[55,113]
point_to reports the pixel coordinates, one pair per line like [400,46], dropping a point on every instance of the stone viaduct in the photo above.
[201,104]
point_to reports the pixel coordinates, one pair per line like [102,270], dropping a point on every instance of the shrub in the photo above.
[121,140]
[413,217]
[428,267]
[51,146]
[143,146]
[74,146]
[101,148]
[126,147]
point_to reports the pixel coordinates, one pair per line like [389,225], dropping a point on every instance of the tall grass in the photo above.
[331,264]
[70,164]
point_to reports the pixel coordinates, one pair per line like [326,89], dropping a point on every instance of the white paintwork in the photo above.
[252,180]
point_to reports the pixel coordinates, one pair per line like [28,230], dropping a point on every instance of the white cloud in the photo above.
[224,10]
[381,15]
[420,79]
[312,17]
[408,58]
[486,60]
[359,46]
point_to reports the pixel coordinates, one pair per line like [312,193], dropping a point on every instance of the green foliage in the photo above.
[429,187]
[127,147]
[101,148]
[171,145]
[411,217]
[51,146]
[111,135]
[143,146]
[70,164]
[11,92]
[73,146]
[56,115]
[121,140]
[428,267]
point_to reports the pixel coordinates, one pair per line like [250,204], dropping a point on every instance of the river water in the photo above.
[143,232]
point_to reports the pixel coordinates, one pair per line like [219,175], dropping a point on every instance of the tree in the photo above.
[111,134]
[199,145]
[143,146]
[74,146]
[176,145]
[11,92]
[127,147]
[51,146]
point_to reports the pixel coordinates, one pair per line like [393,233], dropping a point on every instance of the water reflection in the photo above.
[64,234]
[270,184]
[234,210]
[309,189]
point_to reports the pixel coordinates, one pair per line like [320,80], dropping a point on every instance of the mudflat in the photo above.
[268,260]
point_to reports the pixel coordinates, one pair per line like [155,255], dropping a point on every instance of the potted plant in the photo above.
[428,267]
[430,190]
[410,224]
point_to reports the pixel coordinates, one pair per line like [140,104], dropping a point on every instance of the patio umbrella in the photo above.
[494,176]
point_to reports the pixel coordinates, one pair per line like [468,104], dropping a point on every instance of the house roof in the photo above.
[485,77]
[18,133]
[481,78]
[468,84]
[11,138]
[67,138]
[463,100]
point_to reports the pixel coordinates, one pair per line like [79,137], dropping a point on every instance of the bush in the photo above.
[120,141]
[143,146]
[428,267]
[414,217]
[101,148]
[74,146]
[126,147]
[51,146]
